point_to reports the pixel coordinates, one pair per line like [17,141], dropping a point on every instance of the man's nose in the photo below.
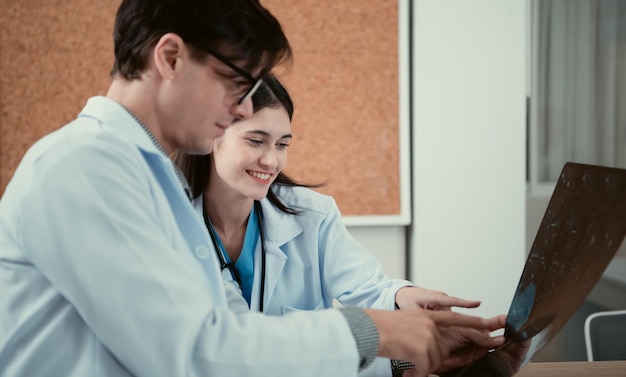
[243,110]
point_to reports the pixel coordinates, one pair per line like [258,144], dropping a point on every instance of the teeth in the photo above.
[263,176]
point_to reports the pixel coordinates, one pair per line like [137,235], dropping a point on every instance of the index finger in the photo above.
[446,318]
[448,302]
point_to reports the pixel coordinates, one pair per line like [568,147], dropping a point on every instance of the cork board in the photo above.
[54,54]
[344,82]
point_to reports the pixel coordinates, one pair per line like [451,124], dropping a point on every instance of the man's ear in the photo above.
[167,54]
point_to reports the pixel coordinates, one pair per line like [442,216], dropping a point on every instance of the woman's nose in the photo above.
[269,158]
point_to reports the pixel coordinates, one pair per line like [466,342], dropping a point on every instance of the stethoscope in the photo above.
[230,265]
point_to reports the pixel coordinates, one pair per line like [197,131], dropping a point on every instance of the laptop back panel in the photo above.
[582,229]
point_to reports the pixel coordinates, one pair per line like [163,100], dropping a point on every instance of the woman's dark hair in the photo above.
[239,30]
[271,94]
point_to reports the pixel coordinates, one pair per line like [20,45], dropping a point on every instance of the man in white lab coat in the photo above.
[105,269]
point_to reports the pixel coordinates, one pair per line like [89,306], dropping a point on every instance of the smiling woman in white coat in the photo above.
[283,245]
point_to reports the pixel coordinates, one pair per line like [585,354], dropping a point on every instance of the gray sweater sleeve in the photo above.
[364,332]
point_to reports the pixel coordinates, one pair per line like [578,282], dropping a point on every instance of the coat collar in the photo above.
[280,227]
[115,117]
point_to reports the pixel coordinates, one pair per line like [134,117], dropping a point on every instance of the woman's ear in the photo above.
[168,53]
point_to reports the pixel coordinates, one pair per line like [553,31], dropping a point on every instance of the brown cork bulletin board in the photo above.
[345,81]
[54,54]
[345,84]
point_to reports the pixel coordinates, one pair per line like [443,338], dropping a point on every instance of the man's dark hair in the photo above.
[239,30]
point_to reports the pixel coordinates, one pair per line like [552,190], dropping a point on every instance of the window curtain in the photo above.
[580,61]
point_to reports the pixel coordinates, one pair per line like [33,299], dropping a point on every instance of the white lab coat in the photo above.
[105,270]
[311,259]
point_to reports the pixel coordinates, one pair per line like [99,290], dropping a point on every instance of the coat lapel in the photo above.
[189,224]
[280,228]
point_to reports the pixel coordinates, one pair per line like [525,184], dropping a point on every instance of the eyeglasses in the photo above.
[254,83]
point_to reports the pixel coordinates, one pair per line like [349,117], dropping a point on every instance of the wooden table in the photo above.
[574,369]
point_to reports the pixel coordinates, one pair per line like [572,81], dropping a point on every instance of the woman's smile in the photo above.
[259,176]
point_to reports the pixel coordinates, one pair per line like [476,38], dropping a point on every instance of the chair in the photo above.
[605,335]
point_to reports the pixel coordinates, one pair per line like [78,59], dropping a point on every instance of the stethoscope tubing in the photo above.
[231,266]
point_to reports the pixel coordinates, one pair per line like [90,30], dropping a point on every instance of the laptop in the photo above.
[582,229]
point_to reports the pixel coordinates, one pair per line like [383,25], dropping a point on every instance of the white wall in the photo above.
[469,62]
[387,243]
[471,229]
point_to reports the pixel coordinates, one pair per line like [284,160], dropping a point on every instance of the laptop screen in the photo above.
[582,229]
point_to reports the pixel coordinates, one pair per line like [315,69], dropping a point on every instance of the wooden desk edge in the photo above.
[574,369]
